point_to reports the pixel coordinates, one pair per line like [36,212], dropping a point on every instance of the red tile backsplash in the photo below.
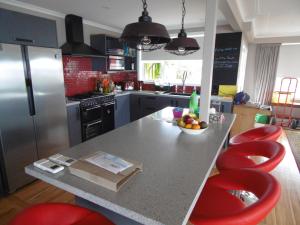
[78,74]
[80,77]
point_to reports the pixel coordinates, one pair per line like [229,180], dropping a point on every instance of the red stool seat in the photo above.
[59,214]
[236,156]
[217,206]
[269,132]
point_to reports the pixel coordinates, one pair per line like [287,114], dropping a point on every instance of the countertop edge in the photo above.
[115,208]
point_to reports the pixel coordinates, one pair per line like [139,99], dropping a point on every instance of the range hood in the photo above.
[75,45]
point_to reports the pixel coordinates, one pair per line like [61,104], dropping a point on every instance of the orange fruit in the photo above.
[196,127]
[188,126]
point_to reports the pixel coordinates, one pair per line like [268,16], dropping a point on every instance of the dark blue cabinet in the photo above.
[19,28]
[74,124]
[179,102]
[122,110]
[226,107]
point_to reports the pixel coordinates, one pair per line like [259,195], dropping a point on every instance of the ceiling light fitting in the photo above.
[182,45]
[145,35]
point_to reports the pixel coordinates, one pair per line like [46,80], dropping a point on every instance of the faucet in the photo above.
[184,76]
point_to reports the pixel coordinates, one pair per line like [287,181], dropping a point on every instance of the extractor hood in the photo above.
[75,45]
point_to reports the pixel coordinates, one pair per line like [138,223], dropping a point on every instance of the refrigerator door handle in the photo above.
[28,82]
[1,143]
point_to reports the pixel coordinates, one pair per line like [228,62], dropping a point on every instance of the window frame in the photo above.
[143,77]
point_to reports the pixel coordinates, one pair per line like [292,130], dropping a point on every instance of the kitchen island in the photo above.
[175,169]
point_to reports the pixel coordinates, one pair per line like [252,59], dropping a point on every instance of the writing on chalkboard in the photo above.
[226,58]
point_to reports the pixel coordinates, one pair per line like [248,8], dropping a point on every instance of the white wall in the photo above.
[250,71]
[60,24]
[242,64]
[288,64]
[289,61]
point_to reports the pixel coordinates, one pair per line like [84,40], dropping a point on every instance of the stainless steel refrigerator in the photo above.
[33,119]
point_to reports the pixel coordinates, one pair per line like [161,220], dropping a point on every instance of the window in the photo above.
[286,87]
[171,71]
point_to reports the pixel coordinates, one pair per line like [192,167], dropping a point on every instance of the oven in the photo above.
[92,129]
[97,116]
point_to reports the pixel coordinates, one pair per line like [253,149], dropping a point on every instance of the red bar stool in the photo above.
[59,214]
[269,132]
[236,156]
[218,206]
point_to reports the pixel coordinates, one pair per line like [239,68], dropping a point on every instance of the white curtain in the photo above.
[265,72]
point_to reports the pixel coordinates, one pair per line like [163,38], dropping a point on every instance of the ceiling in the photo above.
[268,20]
[262,21]
[118,13]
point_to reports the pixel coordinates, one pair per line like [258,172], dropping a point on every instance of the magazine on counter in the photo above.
[109,162]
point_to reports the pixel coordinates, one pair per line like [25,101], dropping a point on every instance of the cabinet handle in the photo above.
[24,40]
[139,101]
[89,109]
[92,124]
[176,103]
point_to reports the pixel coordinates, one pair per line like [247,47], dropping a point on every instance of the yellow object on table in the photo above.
[227,90]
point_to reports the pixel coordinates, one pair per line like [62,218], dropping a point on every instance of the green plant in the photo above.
[152,70]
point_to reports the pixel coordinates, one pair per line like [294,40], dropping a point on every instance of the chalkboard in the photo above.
[226,60]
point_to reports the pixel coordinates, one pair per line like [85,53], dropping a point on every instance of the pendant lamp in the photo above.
[145,35]
[182,45]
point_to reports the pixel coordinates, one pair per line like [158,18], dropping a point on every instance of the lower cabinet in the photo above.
[74,124]
[135,107]
[226,107]
[122,110]
[143,105]
[179,102]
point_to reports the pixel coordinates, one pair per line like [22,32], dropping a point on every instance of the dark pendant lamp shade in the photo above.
[182,45]
[145,35]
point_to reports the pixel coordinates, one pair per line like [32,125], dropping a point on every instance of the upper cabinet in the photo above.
[117,52]
[19,28]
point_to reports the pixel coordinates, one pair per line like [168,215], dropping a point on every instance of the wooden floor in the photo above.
[287,211]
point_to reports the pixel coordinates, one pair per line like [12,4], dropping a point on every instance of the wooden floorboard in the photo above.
[287,211]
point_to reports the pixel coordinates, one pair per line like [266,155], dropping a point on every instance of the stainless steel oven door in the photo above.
[92,113]
[93,129]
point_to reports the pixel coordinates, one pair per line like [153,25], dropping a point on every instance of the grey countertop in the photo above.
[175,168]
[70,103]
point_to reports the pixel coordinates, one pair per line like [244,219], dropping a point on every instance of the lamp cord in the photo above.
[183,14]
[144,5]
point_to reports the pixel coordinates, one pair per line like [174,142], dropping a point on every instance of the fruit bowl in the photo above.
[191,131]
[191,124]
